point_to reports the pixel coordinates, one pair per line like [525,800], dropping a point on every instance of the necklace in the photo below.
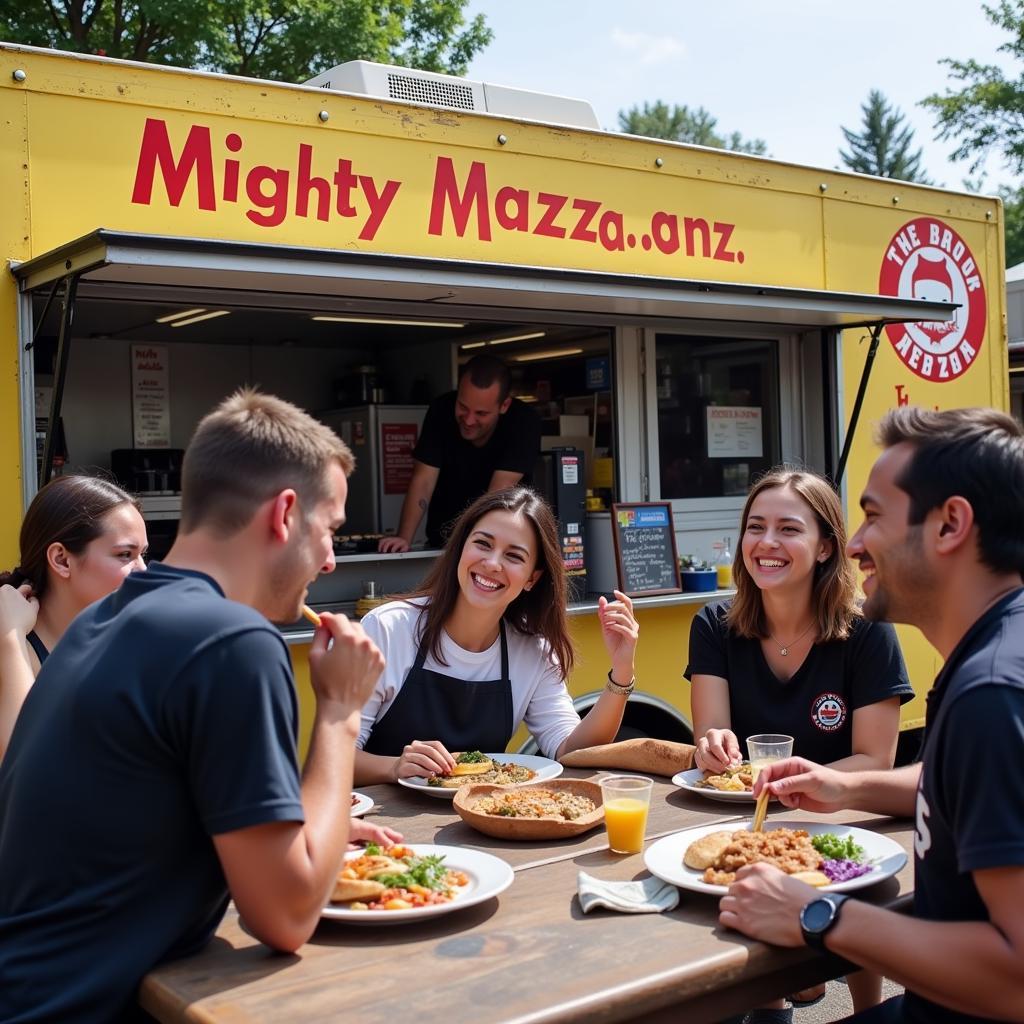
[784,648]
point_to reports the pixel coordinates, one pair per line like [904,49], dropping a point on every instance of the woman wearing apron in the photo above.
[484,646]
[79,539]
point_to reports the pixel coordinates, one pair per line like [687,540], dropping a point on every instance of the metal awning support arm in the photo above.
[60,369]
[851,430]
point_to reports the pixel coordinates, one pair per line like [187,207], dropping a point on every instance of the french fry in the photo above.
[308,613]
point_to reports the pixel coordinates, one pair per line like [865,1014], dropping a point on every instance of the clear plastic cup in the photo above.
[626,801]
[767,747]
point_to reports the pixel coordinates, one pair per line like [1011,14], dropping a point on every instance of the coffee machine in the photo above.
[153,475]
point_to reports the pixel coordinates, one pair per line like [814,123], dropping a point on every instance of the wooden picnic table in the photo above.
[528,956]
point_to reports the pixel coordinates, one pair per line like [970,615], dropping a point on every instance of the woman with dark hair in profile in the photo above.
[80,537]
[484,645]
[792,654]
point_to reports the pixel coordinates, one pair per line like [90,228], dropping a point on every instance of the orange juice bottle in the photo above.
[723,566]
[626,820]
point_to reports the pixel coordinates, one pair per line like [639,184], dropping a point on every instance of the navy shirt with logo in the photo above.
[970,803]
[465,468]
[816,705]
[165,716]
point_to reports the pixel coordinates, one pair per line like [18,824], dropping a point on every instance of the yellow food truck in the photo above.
[681,318]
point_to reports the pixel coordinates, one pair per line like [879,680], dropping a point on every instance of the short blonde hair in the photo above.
[834,596]
[251,447]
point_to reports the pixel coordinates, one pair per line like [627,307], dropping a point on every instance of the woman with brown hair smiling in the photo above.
[483,646]
[792,654]
[79,539]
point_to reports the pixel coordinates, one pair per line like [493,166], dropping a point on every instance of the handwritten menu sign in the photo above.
[151,402]
[645,548]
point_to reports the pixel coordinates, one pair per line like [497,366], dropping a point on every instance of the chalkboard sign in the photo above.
[645,548]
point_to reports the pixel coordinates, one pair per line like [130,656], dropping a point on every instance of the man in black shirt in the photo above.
[941,548]
[474,440]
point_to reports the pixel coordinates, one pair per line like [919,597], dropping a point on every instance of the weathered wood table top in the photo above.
[529,955]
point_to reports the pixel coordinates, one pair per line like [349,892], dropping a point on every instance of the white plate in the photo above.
[688,781]
[361,804]
[665,857]
[488,876]
[543,766]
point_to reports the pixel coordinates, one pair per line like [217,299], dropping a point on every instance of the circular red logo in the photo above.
[828,712]
[927,259]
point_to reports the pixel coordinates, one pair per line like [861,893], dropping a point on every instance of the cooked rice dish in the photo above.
[536,803]
[501,775]
[790,850]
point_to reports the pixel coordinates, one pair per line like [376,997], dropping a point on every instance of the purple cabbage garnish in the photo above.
[844,870]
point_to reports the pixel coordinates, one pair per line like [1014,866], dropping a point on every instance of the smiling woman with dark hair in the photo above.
[483,646]
[79,539]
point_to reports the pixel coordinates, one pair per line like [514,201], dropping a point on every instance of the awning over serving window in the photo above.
[255,273]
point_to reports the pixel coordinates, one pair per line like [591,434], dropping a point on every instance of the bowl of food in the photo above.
[553,809]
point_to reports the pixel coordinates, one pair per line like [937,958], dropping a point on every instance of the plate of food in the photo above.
[361,803]
[834,858]
[473,767]
[734,785]
[555,809]
[410,882]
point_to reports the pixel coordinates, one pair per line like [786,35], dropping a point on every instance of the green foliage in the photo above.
[680,124]
[987,112]
[287,40]
[883,146]
[1013,223]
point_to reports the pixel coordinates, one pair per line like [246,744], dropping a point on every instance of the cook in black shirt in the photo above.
[939,552]
[474,440]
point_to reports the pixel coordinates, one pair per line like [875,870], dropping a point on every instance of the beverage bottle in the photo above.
[723,566]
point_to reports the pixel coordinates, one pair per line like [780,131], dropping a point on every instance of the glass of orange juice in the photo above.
[626,800]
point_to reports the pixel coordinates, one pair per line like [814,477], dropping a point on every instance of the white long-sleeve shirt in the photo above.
[539,695]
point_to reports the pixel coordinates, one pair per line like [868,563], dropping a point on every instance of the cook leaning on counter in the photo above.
[483,646]
[475,440]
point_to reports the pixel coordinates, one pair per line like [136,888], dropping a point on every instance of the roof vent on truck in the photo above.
[407,85]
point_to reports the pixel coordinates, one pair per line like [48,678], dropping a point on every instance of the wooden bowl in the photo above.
[503,827]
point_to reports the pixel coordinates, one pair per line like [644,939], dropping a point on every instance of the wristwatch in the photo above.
[819,917]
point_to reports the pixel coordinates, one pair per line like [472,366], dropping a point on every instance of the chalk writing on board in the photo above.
[645,548]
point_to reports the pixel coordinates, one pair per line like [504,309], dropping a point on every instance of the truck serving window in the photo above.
[718,414]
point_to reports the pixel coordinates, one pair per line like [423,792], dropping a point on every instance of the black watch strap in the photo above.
[819,917]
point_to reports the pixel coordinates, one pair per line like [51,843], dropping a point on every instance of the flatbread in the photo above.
[703,853]
[816,878]
[348,889]
[641,754]
[473,767]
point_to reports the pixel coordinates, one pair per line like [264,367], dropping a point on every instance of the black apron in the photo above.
[463,714]
[37,645]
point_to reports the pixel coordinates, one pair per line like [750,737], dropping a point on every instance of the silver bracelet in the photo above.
[617,688]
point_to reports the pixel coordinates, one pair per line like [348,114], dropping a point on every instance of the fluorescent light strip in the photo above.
[197,319]
[550,353]
[397,323]
[516,337]
[480,344]
[177,316]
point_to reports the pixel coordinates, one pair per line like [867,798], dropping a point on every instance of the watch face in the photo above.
[817,915]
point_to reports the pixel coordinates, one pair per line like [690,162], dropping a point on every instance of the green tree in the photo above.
[1013,223]
[680,124]
[987,112]
[288,40]
[883,146]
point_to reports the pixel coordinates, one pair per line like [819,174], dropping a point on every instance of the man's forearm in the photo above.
[413,509]
[968,966]
[327,790]
[892,791]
